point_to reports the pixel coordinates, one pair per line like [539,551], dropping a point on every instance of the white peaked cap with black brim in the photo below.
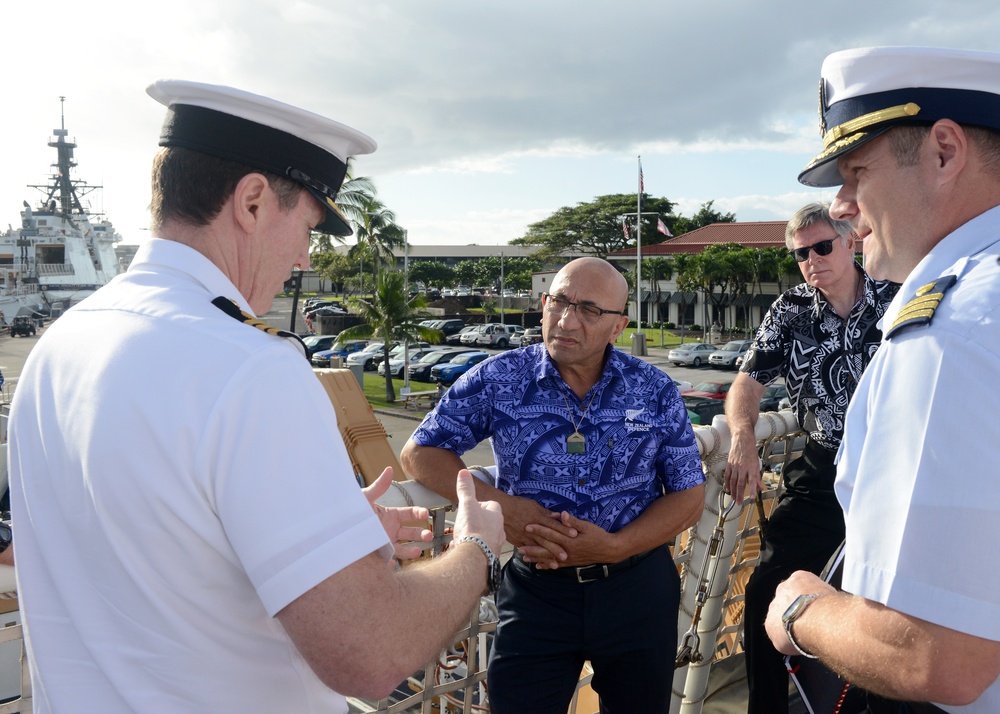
[263,134]
[865,92]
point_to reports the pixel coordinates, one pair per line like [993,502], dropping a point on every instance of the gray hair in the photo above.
[812,213]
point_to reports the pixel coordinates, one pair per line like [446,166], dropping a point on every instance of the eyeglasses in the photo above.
[585,312]
[824,247]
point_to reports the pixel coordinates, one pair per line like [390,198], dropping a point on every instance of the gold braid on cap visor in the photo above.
[866,120]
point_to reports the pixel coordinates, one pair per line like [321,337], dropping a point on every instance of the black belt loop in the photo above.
[589,573]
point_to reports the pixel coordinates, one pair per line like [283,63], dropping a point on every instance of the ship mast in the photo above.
[63,191]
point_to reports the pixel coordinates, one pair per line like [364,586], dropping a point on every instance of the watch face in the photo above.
[798,604]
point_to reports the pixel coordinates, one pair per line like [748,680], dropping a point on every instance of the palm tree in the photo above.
[390,317]
[377,235]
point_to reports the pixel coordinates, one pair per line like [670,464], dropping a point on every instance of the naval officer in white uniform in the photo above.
[190,536]
[913,136]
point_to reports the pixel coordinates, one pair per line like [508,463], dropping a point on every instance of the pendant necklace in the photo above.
[576,443]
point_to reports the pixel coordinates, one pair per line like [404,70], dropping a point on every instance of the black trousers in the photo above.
[626,625]
[802,533]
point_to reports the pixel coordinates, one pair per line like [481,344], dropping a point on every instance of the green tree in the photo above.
[705,216]
[466,272]
[335,267]
[389,316]
[595,228]
[432,272]
[518,281]
[377,235]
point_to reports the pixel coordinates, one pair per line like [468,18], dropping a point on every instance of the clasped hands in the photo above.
[553,540]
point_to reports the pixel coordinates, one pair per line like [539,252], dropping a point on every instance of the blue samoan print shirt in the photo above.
[639,440]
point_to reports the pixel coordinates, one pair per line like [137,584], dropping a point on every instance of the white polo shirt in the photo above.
[177,479]
[917,474]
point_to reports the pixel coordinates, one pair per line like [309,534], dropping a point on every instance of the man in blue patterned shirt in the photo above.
[597,469]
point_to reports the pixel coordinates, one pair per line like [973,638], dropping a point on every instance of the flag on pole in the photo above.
[662,228]
[642,185]
[625,229]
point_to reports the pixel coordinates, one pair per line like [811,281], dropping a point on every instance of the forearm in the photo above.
[367,628]
[658,524]
[743,406]
[895,655]
[436,469]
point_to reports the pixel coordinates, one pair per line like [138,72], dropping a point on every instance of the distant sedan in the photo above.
[709,390]
[695,354]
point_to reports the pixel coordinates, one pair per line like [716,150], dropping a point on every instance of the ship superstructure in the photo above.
[63,250]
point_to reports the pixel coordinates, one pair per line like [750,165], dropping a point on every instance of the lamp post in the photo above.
[406,292]
[501,288]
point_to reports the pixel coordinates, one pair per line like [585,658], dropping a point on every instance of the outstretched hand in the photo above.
[472,517]
[395,519]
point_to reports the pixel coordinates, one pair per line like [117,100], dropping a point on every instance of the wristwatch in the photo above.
[6,535]
[493,572]
[797,607]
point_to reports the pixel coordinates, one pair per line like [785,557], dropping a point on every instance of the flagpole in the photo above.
[638,254]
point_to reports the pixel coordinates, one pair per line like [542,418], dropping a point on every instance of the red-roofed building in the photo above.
[760,234]
[668,304]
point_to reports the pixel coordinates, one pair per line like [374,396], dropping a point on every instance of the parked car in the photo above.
[317,343]
[682,385]
[313,315]
[339,349]
[529,337]
[772,398]
[22,326]
[709,390]
[497,335]
[456,338]
[725,358]
[450,327]
[447,372]
[695,354]
[421,371]
[472,337]
[397,351]
[701,410]
[365,357]
[396,364]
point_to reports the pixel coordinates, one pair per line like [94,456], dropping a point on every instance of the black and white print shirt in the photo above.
[820,354]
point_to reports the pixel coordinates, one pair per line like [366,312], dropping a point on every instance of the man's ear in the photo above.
[622,324]
[949,147]
[248,198]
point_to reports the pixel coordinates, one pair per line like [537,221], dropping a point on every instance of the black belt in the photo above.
[588,573]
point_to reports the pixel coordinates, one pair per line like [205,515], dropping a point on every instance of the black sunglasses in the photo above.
[824,247]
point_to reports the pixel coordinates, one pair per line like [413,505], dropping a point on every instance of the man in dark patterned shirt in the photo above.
[819,336]
[597,469]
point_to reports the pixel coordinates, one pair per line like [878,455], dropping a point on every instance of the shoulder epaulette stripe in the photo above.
[233,310]
[921,308]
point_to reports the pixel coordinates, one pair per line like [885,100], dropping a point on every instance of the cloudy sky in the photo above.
[489,116]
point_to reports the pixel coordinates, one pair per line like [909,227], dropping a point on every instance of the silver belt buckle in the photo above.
[579,573]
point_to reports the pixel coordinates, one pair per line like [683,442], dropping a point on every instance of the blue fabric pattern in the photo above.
[639,440]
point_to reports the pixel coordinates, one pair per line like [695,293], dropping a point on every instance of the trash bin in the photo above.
[639,344]
[359,373]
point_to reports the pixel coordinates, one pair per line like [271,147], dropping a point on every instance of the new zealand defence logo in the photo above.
[631,415]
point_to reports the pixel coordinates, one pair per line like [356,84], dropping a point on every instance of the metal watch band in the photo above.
[490,555]
[789,620]
[492,562]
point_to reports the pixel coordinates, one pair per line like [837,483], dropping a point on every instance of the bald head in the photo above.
[598,277]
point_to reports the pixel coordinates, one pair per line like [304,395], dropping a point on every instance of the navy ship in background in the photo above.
[63,250]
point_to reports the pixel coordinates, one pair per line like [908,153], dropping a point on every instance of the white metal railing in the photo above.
[455,681]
